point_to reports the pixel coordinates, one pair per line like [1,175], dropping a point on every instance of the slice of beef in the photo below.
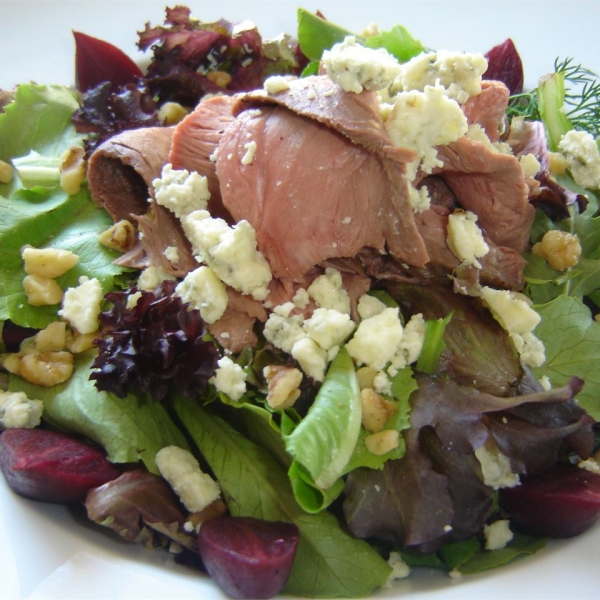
[235,329]
[492,185]
[120,175]
[121,170]
[324,180]
[488,108]
[501,267]
[195,141]
[309,193]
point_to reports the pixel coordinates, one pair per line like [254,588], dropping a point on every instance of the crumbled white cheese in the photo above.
[477,133]
[545,382]
[376,339]
[465,239]
[514,312]
[400,570]
[230,252]
[195,488]
[328,291]
[354,67]
[530,165]
[382,383]
[205,292]
[301,299]
[229,378]
[311,358]
[151,277]
[410,345]
[583,158]
[180,191]
[285,309]
[284,332]
[459,73]
[495,466]
[172,254]
[276,84]
[497,535]
[81,305]
[250,148]
[421,120]
[328,327]
[368,306]
[17,410]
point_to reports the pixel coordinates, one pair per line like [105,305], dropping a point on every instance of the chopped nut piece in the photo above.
[41,368]
[171,113]
[42,291]
[73,167]
[220,78]
[560,249]
[382,441]
[283,385]
[366,377]
[48,262]
[120,237]
[376,410]
[6,172]
[80,342]
[52,338]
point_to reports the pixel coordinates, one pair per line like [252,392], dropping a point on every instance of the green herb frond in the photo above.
[582,95]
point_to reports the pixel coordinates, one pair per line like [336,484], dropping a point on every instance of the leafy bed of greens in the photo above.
[267,465]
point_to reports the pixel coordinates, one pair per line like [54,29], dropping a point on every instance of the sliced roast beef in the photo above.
[501,267]
[195,141]
[488,108]
[121,170]
[492,185]
[120,175]
[235,329]
[323,180]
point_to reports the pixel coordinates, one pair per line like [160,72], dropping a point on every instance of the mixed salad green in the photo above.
[298,464]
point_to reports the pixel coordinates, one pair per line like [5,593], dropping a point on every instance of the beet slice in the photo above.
[248,557]
[52,466]
[97,61]
[505,65]
[561,502]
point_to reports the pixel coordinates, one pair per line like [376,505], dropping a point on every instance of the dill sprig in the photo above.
[581,98]
[582,104]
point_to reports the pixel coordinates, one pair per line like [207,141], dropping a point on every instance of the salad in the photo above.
[329,357]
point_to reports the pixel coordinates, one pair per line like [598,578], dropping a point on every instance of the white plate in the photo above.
[49,551]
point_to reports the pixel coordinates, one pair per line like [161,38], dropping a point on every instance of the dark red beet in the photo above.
[51,466]
[97,61]
[504,64]
[247,557]
[562,502]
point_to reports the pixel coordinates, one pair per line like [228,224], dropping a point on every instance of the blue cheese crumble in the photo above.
[180,191]
[356,68]
[230,252]
[583,158]
[195,489]
[465,239]
[205,292]
[459,73]
[229,378]
[17,410]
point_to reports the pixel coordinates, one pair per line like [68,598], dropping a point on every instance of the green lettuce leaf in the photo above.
[324,440]
[130,429]
[44,218]
[39,119]
[329,562]
[572,340]
[469,557]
